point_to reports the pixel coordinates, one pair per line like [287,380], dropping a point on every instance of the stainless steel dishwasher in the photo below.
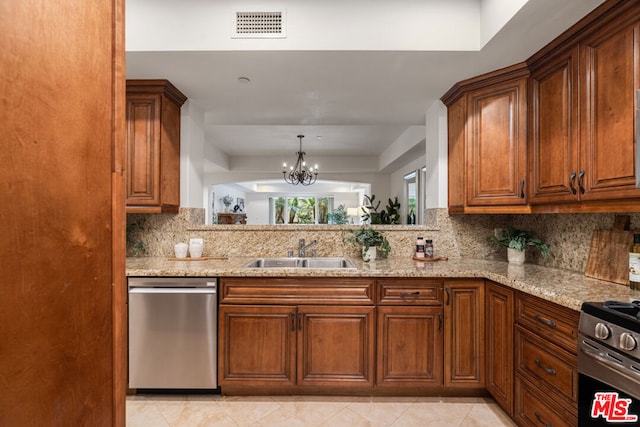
[172,333]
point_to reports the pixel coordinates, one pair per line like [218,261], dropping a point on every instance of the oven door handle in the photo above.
[609,361]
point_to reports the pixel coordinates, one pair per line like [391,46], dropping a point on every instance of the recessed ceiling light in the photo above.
[244,80]
[319,137]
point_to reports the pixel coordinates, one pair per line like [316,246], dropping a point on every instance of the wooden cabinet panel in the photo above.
[534,408]
[499,310]
[464,333]
[610,60]
[143,149]
[456,125]
[152,172]
[410,292]
[553,137]
[304,290]
[409,346]
[547,363]
[496,144]
[551,321]
[257,345]
[336,346]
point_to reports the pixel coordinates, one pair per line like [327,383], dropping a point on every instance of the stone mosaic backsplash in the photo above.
[455,236]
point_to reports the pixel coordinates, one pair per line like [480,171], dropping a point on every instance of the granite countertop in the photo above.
[567,288]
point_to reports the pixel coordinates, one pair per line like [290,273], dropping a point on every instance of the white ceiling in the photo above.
[356,101]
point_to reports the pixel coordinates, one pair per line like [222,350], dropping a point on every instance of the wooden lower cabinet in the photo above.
[545,363]
[269,346]
[534,408]
[336,346]
[409,346]
[257,345]
[464,333]
[499,308]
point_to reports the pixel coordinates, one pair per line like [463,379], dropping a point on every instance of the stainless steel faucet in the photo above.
[302,247]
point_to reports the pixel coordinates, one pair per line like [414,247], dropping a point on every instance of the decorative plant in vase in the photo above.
[516,241]
[373,242]
[226,201]
[389,216]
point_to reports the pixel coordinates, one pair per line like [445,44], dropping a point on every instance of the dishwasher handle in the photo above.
[172,290]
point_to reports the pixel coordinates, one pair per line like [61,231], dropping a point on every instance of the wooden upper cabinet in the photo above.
[496,144]
[153,146]
[456,120]
[553,133]
[487,125]
[610,60]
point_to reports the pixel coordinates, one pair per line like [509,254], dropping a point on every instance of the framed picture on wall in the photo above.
[240,203]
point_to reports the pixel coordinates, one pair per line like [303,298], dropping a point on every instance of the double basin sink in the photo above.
[319,262]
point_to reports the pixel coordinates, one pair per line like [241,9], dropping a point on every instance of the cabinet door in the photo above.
[336,346]
[499,344]
[610,61]
[143,150]
[409,346]
[554,154]
[456,125]
[257,345]
[497,144]
[464,333]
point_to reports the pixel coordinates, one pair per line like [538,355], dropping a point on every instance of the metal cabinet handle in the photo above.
[549,323]
[448,296]
[440,322]
[572,179]
[299,321]
[406,294]
[549,371]
[293,321]
[540,419]
[580,179]
[522,188]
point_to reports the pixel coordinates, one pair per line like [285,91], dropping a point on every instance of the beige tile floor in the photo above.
[303,411]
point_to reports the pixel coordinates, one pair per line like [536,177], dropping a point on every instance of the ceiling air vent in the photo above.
[260,25]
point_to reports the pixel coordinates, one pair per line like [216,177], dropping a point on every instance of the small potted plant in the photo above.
[227,200]
[373,242]
[516,241]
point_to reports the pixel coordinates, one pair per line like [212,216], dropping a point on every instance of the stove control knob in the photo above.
[602,331]
[627,342]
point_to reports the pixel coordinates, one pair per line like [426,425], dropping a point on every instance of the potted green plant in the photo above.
[516,241]
[389,216]
[373,242]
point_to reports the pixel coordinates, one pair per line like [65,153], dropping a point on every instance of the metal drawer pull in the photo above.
[448,295]
[406,294]
[540,419]
[549,371]
[549,323]
[572,179]
[522,188]
[440,322]
[293,321]
[299,321]
[580,179]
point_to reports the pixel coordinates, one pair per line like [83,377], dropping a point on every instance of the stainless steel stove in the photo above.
[609,363]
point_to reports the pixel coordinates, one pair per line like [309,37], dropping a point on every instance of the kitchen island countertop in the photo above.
[564,287]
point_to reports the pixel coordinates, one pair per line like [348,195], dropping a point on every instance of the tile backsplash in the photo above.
[568,235]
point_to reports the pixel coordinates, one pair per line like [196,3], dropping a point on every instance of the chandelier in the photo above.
[300,173]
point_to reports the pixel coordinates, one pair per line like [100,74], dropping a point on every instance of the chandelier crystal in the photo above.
[300,173]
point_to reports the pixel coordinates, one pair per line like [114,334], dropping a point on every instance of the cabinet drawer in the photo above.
[546,364]
[409,292]
[534,408]
[551,321]
[303,290]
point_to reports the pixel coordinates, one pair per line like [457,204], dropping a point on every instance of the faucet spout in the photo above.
[303,246]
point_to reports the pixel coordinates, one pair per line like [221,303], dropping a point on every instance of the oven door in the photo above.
[609,386]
